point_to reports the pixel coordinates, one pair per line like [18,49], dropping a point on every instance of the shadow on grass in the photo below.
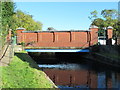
[26,58]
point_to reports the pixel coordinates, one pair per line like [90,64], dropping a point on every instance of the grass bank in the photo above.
[112,56]
[21,74]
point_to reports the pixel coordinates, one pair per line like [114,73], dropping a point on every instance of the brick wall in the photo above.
[58,38]
[29,37]
[20,35]
[93,35]
[110,32]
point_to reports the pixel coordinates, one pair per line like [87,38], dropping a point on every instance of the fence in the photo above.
[7,47]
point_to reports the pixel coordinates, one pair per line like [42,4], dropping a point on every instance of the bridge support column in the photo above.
[94,35]
[20,35]
[109,34]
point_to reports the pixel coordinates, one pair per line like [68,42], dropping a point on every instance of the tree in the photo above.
[100,23]
[13,20]
[9,19]
[109,18]
[109,14]
[0,17]
[6,13]
[93,15]
[24,20]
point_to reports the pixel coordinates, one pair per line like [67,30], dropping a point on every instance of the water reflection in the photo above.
[76,75]
[64,66]
[68,70]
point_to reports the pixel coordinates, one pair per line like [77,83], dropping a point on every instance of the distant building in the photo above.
[51,29]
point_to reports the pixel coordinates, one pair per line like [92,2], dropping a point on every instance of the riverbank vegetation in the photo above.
[10,18]
[104,19]
[21,74]
[25,20]
[6,13]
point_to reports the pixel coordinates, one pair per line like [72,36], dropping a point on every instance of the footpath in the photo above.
[7,56]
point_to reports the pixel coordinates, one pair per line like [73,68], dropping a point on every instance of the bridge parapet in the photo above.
[76,38]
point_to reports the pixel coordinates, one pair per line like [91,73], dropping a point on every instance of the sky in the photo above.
[64,15]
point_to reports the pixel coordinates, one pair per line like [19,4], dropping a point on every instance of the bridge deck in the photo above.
[57,50]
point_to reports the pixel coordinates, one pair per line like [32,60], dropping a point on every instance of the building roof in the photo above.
[20,29]
[93,26]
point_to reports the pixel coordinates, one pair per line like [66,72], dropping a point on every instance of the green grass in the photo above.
[21,74]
